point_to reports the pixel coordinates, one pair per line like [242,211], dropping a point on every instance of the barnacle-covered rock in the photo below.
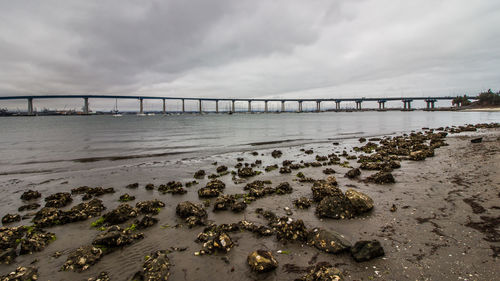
[262,261]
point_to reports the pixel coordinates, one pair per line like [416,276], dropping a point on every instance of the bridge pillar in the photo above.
[428,104]
[381,104]
[358,105]
[300,106]
[249,106]
[318,106]
[432,104]
[141,109]
[404,107]
[233,109]
[265,106]
[337,105]
[85,106]
[183,108]
[30,106]
[216,106]
[282,106]
[164,107]
[200,106]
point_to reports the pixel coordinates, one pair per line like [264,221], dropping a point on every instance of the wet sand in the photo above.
[433,235]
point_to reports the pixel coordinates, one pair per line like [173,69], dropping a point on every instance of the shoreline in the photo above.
[401,233]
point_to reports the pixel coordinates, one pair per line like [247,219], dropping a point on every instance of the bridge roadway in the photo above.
[381,101]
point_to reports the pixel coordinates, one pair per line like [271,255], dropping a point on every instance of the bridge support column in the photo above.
[249,106]
[300,106]
[141,106]
[85,106]
[428,104]
[30,106]
[282,106]
[409,105]
[233,109]
[216,106]
[337,105]
[404,102]
[183,108]
[265,106]
[381,104]
[318,106]
[432,104]
[358,105]
[164,107]
[200,106]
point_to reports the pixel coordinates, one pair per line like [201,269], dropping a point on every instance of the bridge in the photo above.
[430,101]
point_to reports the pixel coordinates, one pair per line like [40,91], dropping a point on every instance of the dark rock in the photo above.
[335,207]
[221,242]
[246,172]
[126,197]
[121,214]
[221,169]
[155,268]
[115,237]
[91,191]
[322,189]
[194,214]
[323,272]
[200,174]
[287,162]
[417,155]
[302,203]
[22,274]
[191,183]
[309,151]
[283,188]
[145,222]
[35,241]
[10,238]
[239,206]
[58,200]
[150,207]
[29,207]
[30,195]
[476,140]
[276,153]
[321,158]
[205,192]
[103,276]
[216,184]
[285,170]
[10,218]
[149,186]
[353,173]
[362,140]
[82,258]
[381,178]
[133,185]
[224,202]
[361,202]
[271,168]
[290,230]
[262,261]
[367,250]
[173,187]
[328,171]
[328,241]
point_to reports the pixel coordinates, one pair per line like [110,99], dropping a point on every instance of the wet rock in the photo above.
[221,242]
[332,180]
[29,207]
[476,140]
[126,197]
[271,168]
[323,272]
[393,208]
[290,230]
[145,222]
[35,241]
[149,186]
[58,200]
[200,174]
[257,184]
[328,241]
[353,173]
[150,207]
[191,183]
[194,212]
[335,207]
[10,218]
[262,261]
[321,158]
[239,207]
[216,184]
[417,155]
[90,192]
[48,216]
[133,185]
[115,237]
[208,193]
[8,255]
[155,268]
[22,274]
[221,169]
[283,188]
[367,250]
[362,140]
[287,162]
[309,151]
[295,166]
[285,170]
[246,172]
[316,164]
[30,195]
[361,202]
[381,178]
[302,203]
[240,159]
[173,187]
[268,215]
[121,214]
[103,276]
[10,237]
[260,230]
[83,211]
[224,202]
[276,153]
[328,171]
[322,189]
[82,258]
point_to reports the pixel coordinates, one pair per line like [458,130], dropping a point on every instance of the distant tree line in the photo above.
[487,98]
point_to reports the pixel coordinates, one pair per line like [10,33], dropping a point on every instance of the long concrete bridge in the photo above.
[430,101]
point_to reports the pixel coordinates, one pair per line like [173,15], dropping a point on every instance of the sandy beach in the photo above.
[438,221]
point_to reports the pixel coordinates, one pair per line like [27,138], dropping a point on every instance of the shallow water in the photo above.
[64,143]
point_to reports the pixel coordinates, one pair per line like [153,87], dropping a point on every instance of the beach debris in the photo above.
[366,250]
[30,195]
[21,274]
[10,218]
[393,208]
[262,261]
[200,174]
[328,241]
[323,271]
[353,173]
[58,200]
[150,207]
[302,203]
[381,178]
[126,197]
[82,258]
[276,153]
[361,202]
[155,268]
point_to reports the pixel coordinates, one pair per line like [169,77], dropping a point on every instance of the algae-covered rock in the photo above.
[155,268]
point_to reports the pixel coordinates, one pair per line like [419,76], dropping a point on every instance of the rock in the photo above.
[224,202]
[271,168]
[207,192]
[246,172]
[353,173]
[335,207]
[91,191]
[115,237]
[323,271]
[22,274]
[155,268]
[321,158]
[262,261]
[393,208]
[145,222]
[150,207]
[361,140]
[238,207]
[191,183]
[328,171]
[290,230]
[309,151]
[476,140]
[173,187]
[133,185]
[322,189]
[216,184]
[221,242]
[103,276]
[194,214]
[332,180]
[58,200]
[30,195]
[276,153]
[285,170]
[286,162]
[361,202]
[200,174]
[417,155]
[10,238]
[283,188]
[367,250]
[381,178]
[121,214]
[149,186]
[328,241]
[82,258]
[221,169]
[302,203]
[35,241]
[10,218]
[29,207]
[126,197]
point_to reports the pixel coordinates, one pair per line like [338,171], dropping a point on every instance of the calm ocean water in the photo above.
[44,144]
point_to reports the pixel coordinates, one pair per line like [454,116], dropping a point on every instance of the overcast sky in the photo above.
[228,48]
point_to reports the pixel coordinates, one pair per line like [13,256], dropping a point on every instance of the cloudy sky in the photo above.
[227,48]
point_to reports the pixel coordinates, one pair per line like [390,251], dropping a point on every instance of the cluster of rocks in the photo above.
[155,268]
[21,274]
[58,200]
[213,189]
[230,202]
[259,189]
[193,214]
[50,216]
[90,192]
[173,187]
[30,239]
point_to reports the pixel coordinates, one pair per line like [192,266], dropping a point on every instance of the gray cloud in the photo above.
[249,48]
